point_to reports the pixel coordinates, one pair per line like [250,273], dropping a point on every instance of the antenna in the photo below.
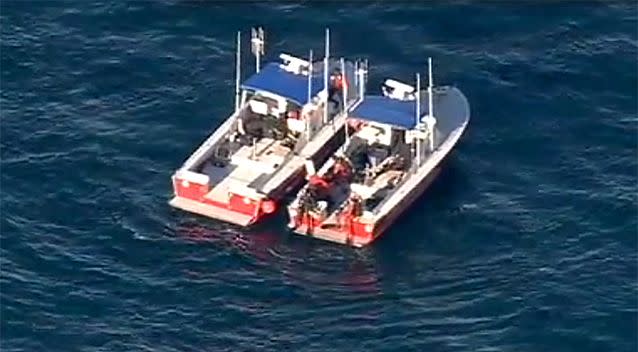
[307,118]
[364,80]
[310,76]
[418,118]
[356,75]
[431,119]
[257,45]
[344,88]
[360,70]
[237,70]
[430,85]
[325,75]
[418,99]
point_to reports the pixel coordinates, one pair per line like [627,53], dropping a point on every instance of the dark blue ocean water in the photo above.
[527,241]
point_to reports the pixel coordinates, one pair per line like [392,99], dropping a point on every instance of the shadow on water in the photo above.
[298,261]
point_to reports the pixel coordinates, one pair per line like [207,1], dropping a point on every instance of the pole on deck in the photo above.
[344,85]
[418,100]
[257,45]
[430,105]
[237,70]
[365,76]
[418,118]
[356,76]
[363,67]
[253,153]
[325,75]
[307,118]
[430,85]
[344,88]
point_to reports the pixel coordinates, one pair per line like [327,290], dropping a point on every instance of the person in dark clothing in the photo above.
[335,89]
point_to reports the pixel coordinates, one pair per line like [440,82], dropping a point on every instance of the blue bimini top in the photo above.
[394,112]
[273,79]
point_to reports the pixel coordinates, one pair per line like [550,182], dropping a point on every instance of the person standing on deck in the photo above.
[335,89]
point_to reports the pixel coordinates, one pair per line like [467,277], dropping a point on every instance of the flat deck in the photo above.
[211,211]
[287,171]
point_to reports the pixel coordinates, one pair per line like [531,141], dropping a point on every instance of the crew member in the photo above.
[335,89]
[342,168]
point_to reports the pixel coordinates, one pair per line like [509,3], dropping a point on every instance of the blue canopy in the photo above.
[381,109]
[273,79]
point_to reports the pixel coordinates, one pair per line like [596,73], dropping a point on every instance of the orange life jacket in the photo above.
[339,81]
[318,181]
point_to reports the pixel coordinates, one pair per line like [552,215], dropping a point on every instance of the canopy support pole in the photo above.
[325,75]
[430,105]
[418,117]
[237,70]
[345,99]
[307,116]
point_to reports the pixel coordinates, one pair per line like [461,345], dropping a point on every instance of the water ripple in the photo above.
[524,243]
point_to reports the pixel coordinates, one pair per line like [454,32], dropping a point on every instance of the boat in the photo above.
[287,114]
[394,148]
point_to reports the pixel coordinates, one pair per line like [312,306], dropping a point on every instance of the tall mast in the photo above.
[359,74]
[418,100]
[237,70]
[418,117]
[430,85]
[310,76]
[345,99]
[307,118]
[430,105]
[363,68]
[325,75]
[365,76]
[356,76]
[257,45]
[345,85]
